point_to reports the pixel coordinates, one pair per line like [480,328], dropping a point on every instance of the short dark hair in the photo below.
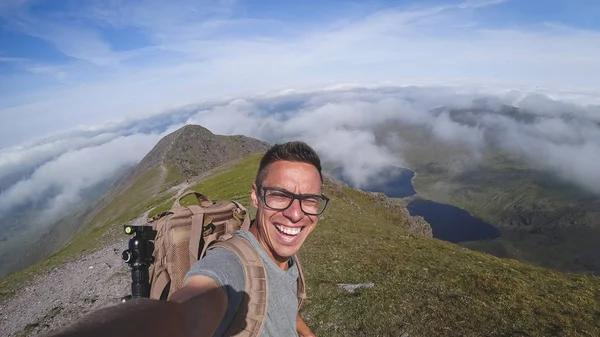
[295,151]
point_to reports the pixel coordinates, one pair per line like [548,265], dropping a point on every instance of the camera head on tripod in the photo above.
[140,247]
[139,257]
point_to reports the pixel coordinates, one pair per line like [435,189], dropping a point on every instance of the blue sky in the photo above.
[67,63]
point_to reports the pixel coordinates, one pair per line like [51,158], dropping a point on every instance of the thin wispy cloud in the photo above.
[117,58]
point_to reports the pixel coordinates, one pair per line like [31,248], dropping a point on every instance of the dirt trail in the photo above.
[179,188]
[68,292]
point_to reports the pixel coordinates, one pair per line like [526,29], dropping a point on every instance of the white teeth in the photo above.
[288,230]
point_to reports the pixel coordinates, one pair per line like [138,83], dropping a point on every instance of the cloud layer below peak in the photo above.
[342,124]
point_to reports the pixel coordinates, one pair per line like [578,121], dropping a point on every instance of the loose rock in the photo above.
[352,288]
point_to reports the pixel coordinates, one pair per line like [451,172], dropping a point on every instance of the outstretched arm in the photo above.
[194,310]
[302,327]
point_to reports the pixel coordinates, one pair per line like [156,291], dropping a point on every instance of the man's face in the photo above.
[282,233]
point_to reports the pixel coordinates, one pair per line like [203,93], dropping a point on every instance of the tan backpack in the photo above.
[185,233]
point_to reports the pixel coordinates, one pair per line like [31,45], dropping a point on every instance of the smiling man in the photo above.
[288,199]
[287,196]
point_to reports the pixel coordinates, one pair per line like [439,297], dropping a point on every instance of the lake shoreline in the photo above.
[448,222]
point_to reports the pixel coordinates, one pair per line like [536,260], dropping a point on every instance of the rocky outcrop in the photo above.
[193,150]
[416,224]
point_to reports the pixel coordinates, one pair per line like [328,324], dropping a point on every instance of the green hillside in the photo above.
[422,286]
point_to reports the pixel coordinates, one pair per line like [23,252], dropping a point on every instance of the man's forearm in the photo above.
[302,327]
[138,317]
[192,311]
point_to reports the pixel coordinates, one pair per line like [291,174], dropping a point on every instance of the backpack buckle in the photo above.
[208,229]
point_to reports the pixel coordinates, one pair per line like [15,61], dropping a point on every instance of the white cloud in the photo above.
[74,171]
[449,131]
[341,124]
[20,160]
[50,173]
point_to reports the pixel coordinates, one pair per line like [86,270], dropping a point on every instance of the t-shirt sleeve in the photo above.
[227,270]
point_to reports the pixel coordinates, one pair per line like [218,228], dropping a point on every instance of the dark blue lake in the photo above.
[451,223]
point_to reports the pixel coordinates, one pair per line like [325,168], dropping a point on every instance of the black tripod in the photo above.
[139,257]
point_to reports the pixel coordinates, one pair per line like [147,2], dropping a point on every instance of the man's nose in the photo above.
[294,212]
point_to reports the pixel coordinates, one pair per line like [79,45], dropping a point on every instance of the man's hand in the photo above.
[302,327]
[204,302]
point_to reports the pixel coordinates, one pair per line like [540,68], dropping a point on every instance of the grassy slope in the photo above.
[432,288]
[425,287]
[232,184]
[141,196]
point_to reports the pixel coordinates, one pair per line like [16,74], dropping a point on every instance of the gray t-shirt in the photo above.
[226,269]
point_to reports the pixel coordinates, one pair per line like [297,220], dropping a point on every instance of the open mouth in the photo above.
[288,231]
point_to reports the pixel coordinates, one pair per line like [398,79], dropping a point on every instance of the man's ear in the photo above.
[254,196]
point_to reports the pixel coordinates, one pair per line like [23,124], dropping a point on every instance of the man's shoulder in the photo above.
[246,235]
[222,265]
[219,256]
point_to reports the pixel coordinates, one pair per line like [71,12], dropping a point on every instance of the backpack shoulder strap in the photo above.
[198,221]
[248,323]
[301,283]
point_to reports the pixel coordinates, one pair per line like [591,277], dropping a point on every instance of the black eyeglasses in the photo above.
[280,199]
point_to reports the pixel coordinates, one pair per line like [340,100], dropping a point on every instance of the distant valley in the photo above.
[542,219]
